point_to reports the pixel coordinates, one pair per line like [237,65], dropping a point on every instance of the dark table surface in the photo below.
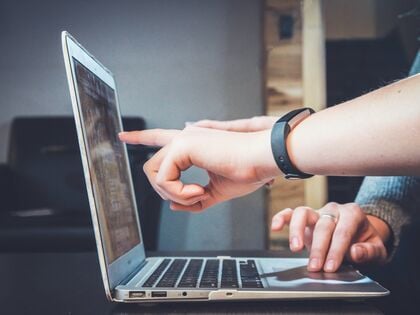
[70,283]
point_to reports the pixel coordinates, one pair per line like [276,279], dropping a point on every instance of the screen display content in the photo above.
[107,163]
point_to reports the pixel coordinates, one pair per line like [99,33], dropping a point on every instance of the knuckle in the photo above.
[160,182]
[357,215]
[302,209]
[188,128]
[146,167]
[332,205]
[284,211]
[354,208]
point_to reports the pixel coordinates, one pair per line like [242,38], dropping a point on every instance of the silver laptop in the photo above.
[128,275]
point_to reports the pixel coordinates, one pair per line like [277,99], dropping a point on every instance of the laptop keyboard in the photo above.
[215,273]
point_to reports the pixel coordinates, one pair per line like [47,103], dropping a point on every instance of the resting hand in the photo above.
[237,164]
[333,233]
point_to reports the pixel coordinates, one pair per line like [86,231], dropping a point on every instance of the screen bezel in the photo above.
[115,272]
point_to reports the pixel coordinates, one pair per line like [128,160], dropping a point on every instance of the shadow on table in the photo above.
[260,307]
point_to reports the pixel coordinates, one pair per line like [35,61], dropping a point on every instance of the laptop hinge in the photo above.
[134,272]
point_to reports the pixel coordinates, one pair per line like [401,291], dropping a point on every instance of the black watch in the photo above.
[279,134]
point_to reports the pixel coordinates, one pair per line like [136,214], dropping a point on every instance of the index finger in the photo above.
[152,137]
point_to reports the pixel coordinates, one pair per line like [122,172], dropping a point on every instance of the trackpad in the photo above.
[292,274]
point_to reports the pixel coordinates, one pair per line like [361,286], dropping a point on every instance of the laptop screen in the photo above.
[107,164]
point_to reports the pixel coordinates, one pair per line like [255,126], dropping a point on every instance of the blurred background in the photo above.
[176,62]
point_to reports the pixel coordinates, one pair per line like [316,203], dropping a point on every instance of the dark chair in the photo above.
[44,205]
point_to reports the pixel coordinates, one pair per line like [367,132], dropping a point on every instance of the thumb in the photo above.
[368,252]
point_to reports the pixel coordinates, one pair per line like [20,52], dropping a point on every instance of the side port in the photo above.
[159,294]
[137,294]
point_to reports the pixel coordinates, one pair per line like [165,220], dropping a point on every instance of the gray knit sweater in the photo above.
[392,199]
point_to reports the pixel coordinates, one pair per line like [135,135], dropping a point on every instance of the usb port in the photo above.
[159,294]
[137,294]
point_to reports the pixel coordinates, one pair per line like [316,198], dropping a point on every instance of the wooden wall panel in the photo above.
[314,84]
[285,72]
[284,91]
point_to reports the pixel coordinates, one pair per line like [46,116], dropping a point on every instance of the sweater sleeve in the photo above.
[392,199]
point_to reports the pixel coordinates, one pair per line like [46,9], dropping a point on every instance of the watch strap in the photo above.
[279,133]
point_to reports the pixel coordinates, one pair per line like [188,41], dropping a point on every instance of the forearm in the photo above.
[375,134]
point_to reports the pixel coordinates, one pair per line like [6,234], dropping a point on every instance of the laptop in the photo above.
[128,274]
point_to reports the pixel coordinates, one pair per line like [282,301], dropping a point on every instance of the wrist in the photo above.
[265,165]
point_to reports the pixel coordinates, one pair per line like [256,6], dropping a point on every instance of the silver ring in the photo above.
[330,216]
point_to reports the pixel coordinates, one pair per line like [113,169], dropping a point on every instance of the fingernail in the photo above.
[314,263]
[295,242]
[189,123]
[360,253]
[330,265]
